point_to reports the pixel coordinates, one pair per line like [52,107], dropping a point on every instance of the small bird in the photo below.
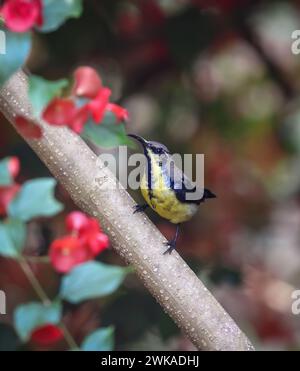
[165,187]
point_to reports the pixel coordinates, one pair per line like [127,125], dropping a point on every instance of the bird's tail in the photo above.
[208,194]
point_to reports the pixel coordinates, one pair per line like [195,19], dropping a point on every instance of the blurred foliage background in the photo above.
[212,77]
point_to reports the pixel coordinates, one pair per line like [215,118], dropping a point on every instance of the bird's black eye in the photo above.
[155,150]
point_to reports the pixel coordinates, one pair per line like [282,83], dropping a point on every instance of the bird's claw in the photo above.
[139,208]
[171,246]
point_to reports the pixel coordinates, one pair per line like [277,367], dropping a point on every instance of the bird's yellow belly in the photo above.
[165,203]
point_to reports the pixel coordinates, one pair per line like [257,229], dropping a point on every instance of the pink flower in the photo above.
[67,252]
[60,112]
[97,106]
[93,238]
[88,231]
[14,166]
[22,15]
[85,242]
[75,221]
[87,82]
[120,112]
[79,119]
[89,99]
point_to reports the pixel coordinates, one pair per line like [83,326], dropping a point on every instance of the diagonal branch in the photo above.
[134,237]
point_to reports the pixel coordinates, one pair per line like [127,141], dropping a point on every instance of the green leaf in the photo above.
[108,134]
[91,280]
[16,47]
[57,12]
[12,238]
[5,177]
[100,340]
[28,317]
[35,199]
[41,92]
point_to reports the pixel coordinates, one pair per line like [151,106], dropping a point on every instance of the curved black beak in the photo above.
[139,139]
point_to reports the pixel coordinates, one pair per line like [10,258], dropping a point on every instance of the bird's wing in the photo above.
[180,183]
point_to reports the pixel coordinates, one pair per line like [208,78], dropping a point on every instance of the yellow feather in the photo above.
[164,200]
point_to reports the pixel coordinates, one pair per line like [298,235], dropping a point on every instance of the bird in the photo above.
[165,188]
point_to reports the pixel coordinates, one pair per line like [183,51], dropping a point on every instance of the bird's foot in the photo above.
[139,208]
[171,246]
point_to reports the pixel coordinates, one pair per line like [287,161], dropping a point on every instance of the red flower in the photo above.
[88,231]
[22,15]
[93,238]
[14,166]
[60,112]
[7,194]
[89,85]
[86,242]
[91,226]
[67,252]
[120,112]
[80,117]
[76,220]
[98,105]
[73,113]
[63,112]
[87,82]
[46,335]
[27,128]
[96,242]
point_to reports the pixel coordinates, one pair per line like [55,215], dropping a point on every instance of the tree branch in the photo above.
[134,237]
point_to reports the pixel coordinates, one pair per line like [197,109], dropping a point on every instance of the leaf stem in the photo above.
[68,337]
[37,259]
[44,298]
[34,282]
